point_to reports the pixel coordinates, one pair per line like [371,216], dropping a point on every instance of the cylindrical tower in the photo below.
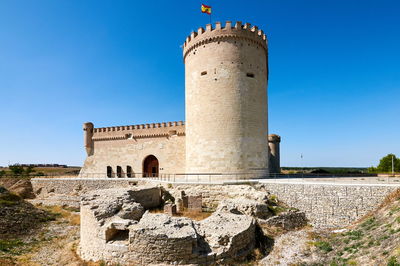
[274,153]
[87,137]
[226,75]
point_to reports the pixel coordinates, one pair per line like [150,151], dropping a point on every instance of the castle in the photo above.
[226,128]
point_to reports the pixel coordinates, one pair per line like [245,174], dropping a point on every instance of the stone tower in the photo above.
[88,137]
[274,156]
[226,75]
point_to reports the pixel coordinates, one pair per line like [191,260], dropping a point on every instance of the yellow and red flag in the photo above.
[206,9]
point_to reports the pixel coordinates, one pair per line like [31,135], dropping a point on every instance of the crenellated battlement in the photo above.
[152,130]
[140,126]
[220,32]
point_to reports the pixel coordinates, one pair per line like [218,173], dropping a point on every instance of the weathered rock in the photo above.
[212,196]
[22,188]
[109,232]
[228,235]
[245,206]
[170,209]
[159,238]
[124,203]
[288,220]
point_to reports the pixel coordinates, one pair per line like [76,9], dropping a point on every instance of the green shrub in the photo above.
[323,246]
[393,262]
[369,222]
[275,210]
[355,235]
[9,245]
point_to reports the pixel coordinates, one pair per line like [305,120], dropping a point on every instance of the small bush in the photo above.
[10,245]
[355,235]
[275,210]
[323,246]
[369,222]
[393,262]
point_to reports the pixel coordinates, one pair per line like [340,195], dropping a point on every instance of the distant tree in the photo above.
[19,170]
[385,164]
[372,169]
[16,169]
[2,173]
[29,170]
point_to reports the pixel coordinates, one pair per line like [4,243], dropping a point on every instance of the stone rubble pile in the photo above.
[117,227]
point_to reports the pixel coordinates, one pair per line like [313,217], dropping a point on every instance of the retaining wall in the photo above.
[326,205]
[331,205]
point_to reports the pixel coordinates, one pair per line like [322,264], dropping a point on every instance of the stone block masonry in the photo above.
[326,205]
[67,191]
[330,206]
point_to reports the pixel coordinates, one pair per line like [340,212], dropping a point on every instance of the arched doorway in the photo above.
[150,166]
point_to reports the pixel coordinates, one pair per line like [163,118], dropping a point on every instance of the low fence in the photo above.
[212,177]
[236,177]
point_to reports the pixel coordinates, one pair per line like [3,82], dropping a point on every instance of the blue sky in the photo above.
[334,85]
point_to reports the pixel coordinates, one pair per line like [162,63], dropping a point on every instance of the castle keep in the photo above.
[226,128]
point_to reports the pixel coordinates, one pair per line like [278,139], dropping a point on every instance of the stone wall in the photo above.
[331,205]
[325,205]
[75,186]
[67,191]
[111,150]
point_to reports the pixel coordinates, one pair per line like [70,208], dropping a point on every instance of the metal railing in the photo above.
[243,177]
[232,177]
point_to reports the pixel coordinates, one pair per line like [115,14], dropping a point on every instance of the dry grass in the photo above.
[197,216]
[72,217]
[60,245]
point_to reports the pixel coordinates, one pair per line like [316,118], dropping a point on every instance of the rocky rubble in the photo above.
[245,206]
[113,202]
[115,228]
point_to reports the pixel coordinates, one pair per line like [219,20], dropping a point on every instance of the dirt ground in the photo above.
[55,243]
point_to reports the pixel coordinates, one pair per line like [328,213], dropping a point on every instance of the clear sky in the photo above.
[334,87]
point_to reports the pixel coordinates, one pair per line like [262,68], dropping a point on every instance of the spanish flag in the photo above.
[206,9]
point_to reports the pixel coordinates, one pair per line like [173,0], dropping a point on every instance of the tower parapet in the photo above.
[239,31]
[226,74]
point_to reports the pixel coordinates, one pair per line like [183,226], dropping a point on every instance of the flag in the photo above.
[206,9]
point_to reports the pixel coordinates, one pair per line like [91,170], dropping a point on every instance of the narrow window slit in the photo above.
[204,73]
[250,75]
